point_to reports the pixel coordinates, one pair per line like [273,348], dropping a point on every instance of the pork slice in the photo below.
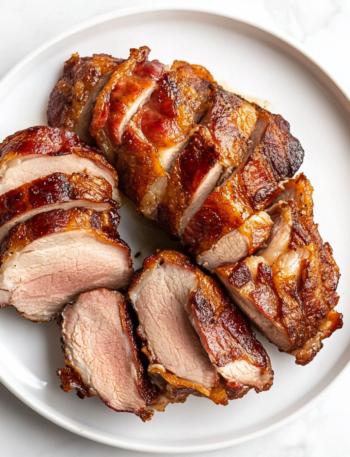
[54,192]
[41,151]
[101,352]
[73,97]
[159,294]
[239,243]
[227,338]
[158,133]
[51,258]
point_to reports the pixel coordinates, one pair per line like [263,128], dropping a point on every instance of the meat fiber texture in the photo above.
[196,340]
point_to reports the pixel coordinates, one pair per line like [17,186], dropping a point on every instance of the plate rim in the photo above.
[302,54]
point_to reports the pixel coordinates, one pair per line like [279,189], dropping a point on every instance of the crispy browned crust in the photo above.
[71,379]
[52,142]
[102,225]
[224,332]
[53,189]
[254,187]
[280,147]
[80,76]
[138,165]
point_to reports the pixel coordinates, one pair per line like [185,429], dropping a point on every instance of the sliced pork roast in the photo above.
[55,191]
[52,257]
[250,189]
[289,288]
[41,151]
[159,131]
[217,356]
[73,98]
[102,356]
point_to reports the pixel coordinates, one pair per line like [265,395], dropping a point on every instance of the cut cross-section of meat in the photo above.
[51,258]
[169,294]
[41,151]
[217,148]
[73,98]
[56,191]
[102,356]
[225,334]
[252,188]
[158,133]
[289,288]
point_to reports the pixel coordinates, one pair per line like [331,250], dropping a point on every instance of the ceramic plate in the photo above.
[252,61]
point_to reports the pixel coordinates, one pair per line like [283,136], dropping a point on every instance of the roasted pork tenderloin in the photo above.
[49,259]
[196,340]
[288,288]
[41,151]
[56,191]
[73,97]
[102,356]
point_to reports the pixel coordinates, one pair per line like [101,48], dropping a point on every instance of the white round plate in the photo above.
[251,61]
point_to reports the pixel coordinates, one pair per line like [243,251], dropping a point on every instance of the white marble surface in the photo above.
[323,28]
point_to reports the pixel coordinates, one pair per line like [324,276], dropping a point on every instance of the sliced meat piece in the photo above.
[216,149]
[252,188]
[158,133]
[72,99]
[41,151]
[101,354]
[239,243]
[169,293]
[227,338]
[51,258]
[289,289]
[54,192]
[159,293]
